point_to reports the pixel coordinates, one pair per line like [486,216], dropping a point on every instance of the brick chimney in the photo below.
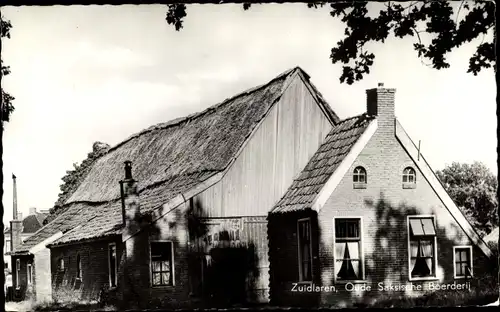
[16,225]
[134,263]
[380,102]
[130,199]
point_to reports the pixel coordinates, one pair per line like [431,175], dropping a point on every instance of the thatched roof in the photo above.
[205,141]
[322,165]
[168,159]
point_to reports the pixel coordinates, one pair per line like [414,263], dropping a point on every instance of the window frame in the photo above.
[172,261]
[18,272]
[79,270]
[301,278]
[407,184]
[7,245]
[469,247]
[358,184]
[29,274]
[428,278]
[60,264]
[362,278]
[109,266]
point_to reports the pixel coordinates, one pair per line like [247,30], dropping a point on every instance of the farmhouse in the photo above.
[203,209]
[368,215]
[203,187]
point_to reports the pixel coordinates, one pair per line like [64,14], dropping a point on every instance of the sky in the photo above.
[82,74]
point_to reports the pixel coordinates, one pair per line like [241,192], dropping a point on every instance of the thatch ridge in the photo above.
[178,121]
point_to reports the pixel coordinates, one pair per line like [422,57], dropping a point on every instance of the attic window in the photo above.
[409,178]
[359,178]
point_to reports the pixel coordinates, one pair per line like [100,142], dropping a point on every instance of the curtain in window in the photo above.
[413,254]
[339,255]
[427,251]
[353,248]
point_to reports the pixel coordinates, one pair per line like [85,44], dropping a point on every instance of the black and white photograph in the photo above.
[249,155]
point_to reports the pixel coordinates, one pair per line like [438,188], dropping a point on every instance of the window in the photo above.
[422,242]
[18,272]
[78,267]
[409,178]
[305,250]
[61,264]
[462,256]
[7,246]
[29,273]
[348,251]
[162,263]
[359,177]
[112,264]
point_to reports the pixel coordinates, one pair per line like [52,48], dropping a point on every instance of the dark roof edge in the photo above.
[81,241]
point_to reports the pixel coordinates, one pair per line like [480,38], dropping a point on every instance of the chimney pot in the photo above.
[380,84]
[128,170]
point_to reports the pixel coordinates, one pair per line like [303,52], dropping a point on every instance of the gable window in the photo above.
[162,261]
[60,264]
[78,267]
[305,250]
[462,256]
[29,273]
[422,245]
[18,272]
[359,177]
[348,251]
[112,264]
[409,178]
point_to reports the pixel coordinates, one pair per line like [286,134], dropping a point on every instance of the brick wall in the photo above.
[251,264]
[66,287]
[22,290]
[384,206]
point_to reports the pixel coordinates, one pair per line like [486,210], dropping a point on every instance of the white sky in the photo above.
[82,74]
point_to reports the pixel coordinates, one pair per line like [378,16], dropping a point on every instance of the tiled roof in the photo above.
[322,165]
[168,159]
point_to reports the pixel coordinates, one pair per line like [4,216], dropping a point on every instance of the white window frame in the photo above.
[360,185]
[18,272]
[116,266]
[471,262]
[409,185]
[29,273]
[301,280]
[361,254]
[151,263]
[429,278]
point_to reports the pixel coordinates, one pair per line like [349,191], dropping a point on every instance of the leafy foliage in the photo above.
[437,18]
[474,189]
[74,178]
[7,107]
